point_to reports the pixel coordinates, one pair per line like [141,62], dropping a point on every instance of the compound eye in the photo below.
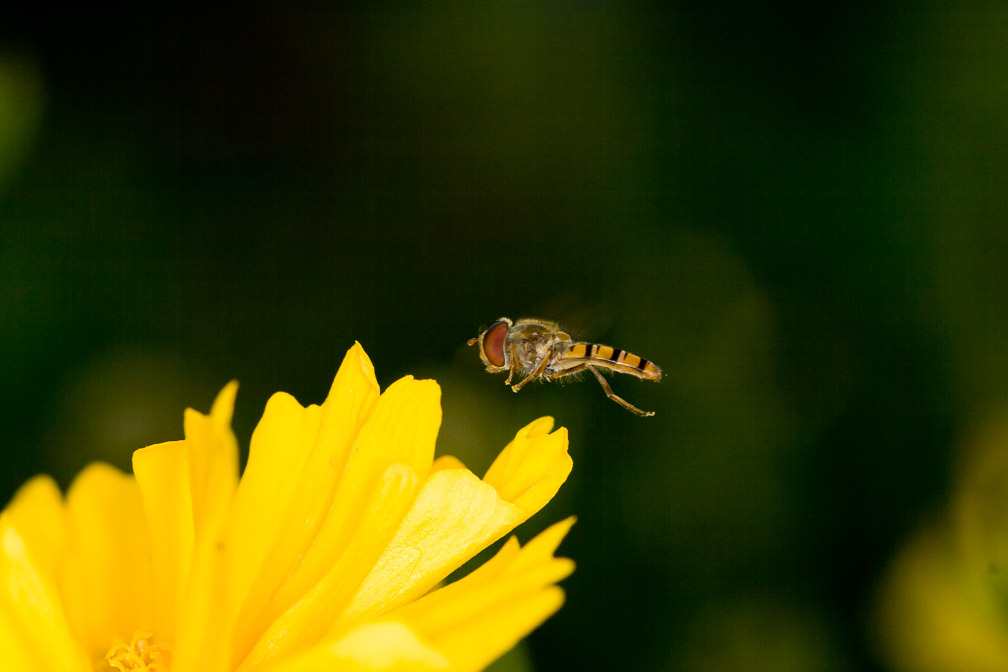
[493,342]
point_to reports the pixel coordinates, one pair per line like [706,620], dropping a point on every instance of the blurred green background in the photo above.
[799,212]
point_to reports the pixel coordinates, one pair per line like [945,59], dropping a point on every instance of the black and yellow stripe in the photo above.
[615,359]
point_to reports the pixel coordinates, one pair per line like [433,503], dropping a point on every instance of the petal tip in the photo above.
[427,388]
[560,529]
[539,427]
[223,405]
[357,358]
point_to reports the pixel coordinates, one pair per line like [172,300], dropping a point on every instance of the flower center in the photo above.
[142,654]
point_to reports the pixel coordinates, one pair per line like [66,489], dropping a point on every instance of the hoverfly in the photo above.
[540,350]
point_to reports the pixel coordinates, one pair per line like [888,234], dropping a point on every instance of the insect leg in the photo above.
[612,395]
[514,363]
[540,367]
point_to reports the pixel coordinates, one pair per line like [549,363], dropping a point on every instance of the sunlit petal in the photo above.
[296,462]
[456,515]
[106,576]
[33,624]
[375,646]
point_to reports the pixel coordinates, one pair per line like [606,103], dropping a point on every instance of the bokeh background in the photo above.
[799,211]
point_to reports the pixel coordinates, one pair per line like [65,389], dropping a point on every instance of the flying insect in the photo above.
[540,350]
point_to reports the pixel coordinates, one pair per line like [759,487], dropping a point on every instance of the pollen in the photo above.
[142,654]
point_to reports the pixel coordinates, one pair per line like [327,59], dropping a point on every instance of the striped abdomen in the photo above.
[618,360]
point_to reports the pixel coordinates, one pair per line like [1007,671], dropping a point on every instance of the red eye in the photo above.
[493,342]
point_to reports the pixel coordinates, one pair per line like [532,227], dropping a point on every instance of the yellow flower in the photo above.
[326,553]
[940,606]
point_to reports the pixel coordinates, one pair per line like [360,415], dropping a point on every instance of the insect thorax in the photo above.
[532,342]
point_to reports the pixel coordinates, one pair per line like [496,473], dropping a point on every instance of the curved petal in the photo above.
[106,577]
[480,617]
[303,625]
[447,462]
[930,617]
[531,469]
[33,626]
[374,646]
[203,631]
[162,473]
[392,453]
[278,452]
[187,488]
[402,430]
[296,462]
[456,515]
[15,650]
[36,510]
[463,626]
[213,461]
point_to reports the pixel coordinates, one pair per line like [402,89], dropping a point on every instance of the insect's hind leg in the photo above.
[609,393]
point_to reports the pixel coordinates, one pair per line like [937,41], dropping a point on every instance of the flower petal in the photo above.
[203,633]
[391,454]
[162,473]
[374,646]
[447,462]
[402,430]
[187,488]
[456,515]
[463,626]
[15,650]
[213,461]
[36,510]
[303,625]
[106,578]
[480,617]
[33,627]
[296,461]
[531,469]
[933,614]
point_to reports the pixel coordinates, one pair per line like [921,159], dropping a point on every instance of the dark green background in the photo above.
[799,213]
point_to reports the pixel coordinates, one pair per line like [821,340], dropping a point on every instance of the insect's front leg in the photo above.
[514,363]
[536,372]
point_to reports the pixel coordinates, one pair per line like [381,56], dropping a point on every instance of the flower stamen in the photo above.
[142,654]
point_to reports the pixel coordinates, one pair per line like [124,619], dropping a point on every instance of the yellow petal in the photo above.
[466,624]
[106,578]
[203,633]
[186,488]
[203,639]
[456,515]
[15,650]
[301,626]
[513,571]
[477,643]
[931,617]
[401,430]
[162,473]
[36,510]
[296,461]
[32,623]
[531,469]
[544,545]
[374,646]
[453,518]
[280,447]
[447,462]
[213,459]
[480,617]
